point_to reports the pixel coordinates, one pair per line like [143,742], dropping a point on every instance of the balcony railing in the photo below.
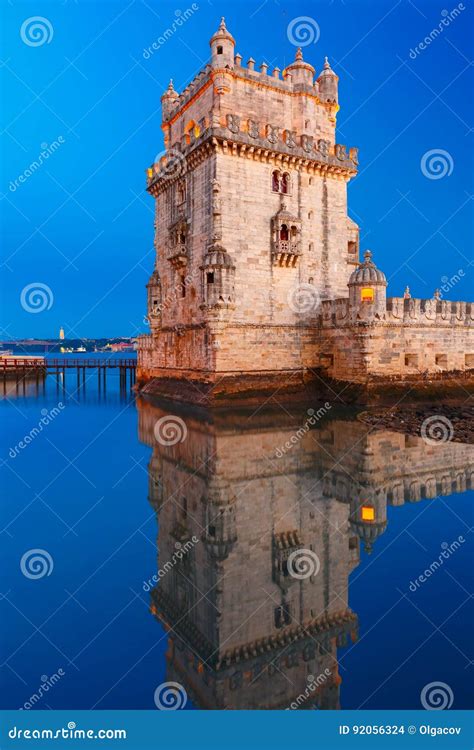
[177,254]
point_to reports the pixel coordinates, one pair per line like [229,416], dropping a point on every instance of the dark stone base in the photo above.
[312,386]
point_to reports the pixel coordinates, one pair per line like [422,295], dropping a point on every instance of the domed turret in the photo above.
[220,532]
[218,271]
[300,71]
[327,83]
[168,100]
[222,47]
[154,301]
[368,519]
[367,289]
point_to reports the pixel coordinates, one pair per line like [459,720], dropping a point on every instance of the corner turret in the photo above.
[222,47]
[168,100]
[299,70]
[328,84]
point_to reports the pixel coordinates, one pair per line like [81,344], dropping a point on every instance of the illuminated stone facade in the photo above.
[255,247]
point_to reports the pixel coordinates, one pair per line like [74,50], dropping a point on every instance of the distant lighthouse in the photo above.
[61,333]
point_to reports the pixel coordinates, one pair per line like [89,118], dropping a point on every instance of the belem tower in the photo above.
[258,284]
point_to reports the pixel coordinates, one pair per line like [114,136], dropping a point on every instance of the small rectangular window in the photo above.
[411,360]
[441,360]
[210,277]
[367,513]
[367,294]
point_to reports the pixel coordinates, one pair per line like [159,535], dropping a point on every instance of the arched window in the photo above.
[307,123]
[181,194]
[210,277]
[294,232]
[182,238]
[310,215]
[182,285]
[219,50]
[276,181]
[285,182]
[284,233]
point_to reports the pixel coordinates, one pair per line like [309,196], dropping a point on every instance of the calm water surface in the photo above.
[252,560]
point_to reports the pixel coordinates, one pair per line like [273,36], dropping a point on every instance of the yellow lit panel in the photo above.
[367,294]
[367,513]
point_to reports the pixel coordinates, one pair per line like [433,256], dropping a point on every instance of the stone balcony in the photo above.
[285,253]
[177,255]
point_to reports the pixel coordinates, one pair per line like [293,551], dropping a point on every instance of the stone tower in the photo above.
[251,227]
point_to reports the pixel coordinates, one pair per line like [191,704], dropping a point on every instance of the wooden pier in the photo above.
[22,368]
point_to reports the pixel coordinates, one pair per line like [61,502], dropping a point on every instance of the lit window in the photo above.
[367,294]
[367,513]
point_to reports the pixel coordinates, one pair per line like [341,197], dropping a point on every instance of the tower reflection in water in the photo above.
[268,518]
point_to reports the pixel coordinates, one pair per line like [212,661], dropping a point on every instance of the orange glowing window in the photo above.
[367,294]
[367,513]
[150,172]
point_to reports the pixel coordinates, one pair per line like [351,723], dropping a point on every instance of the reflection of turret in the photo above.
[268,529]
[220,533]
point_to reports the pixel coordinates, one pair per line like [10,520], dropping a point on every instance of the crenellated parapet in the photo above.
[429,312]
[425,312]
[225,67]
[255,140]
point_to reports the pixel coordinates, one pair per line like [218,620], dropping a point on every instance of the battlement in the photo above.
[253,139]
[426,312]
[277,79]
[429,312]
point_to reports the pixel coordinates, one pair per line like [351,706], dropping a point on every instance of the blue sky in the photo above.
[82,224]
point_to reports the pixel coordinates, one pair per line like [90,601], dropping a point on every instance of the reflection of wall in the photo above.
[245,634]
